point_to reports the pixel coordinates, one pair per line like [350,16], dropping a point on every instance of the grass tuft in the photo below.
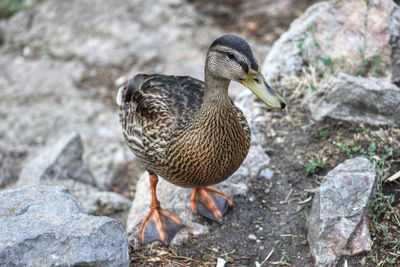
[10,7]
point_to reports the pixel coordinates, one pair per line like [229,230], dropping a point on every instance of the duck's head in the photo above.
[230,57]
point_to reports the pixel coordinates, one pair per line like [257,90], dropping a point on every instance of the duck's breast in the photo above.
[210,150]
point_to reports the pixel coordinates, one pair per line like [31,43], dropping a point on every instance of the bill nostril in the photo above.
[283,105]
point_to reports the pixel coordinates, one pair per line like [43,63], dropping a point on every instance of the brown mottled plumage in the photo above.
[173,134]
[190,132]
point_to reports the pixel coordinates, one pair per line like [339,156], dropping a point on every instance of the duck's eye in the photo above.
[231,55]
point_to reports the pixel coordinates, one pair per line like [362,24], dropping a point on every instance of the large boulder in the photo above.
[59,161]
[357,99]
[337,224]
[348,35]
[45,103]
[45,226]
[61,164]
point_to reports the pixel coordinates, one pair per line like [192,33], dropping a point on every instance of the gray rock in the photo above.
[334,30]
[394,26]
[266,174]
[102,203]
[96,202]
[46,103]
[344,97]
[61,164]
[255,115]
[50,229]
[337,224]
[60,161]
[10,155]
[174,32]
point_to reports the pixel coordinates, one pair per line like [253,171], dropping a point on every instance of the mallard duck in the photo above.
[190,132]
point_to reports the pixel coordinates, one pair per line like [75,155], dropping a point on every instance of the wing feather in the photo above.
[151,106]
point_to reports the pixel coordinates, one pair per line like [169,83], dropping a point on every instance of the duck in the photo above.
[190,132]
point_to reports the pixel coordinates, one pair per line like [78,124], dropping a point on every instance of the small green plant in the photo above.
[300,44]
[321,133]
[310,32]
[312,87]
[370,66]
[10,7]
[315,165]
[284,256]
[348,148]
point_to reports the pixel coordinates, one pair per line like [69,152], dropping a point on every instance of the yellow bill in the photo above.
[256,83]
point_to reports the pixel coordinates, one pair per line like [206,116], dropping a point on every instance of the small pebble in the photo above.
[252,237]
[266,174]
[251,199]
[221,262]
[271,133]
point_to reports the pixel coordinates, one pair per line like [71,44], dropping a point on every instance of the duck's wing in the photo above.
[151,106]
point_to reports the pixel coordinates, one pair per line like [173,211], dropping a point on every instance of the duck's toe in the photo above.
[210,203]
[159,225]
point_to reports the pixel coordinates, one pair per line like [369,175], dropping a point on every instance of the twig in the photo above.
[288,235]
[305,200]
[312,190]
[266,258]
[279,263]
[287,197]
[393,177]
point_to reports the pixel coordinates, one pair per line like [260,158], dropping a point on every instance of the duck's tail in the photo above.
[120,99]
[125,92]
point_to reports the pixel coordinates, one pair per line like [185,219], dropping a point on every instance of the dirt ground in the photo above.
[275,212]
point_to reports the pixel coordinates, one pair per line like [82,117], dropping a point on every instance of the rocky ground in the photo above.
[338,69]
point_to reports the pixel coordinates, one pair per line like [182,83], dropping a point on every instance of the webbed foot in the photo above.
[159,225]
[210,203]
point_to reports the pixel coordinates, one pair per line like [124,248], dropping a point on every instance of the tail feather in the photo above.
[121,95]
[125,93]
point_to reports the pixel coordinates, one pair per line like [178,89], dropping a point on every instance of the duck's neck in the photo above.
[215,90]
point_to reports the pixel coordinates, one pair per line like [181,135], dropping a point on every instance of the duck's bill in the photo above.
[256,83]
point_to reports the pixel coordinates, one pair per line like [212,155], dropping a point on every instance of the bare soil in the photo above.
[275,212]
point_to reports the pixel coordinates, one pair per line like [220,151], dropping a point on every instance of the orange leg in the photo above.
[210,203]
[159,224]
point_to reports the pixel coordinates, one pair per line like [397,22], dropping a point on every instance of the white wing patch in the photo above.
[118,99]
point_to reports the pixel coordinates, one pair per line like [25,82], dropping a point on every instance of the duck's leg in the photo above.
[210,203]
[159,224]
